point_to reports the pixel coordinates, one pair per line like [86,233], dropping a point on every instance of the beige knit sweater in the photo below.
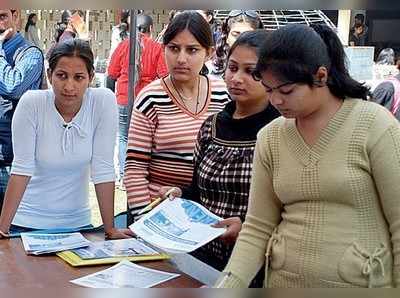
[326,215]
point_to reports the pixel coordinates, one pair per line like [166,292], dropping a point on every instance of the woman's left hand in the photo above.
[119,234]
[233,226]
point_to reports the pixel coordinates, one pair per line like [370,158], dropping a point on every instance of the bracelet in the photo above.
[4,235]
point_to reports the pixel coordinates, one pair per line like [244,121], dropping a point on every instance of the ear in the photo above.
[15,16]
[321,76]
[49,75]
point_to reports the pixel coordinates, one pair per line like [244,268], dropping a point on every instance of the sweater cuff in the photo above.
[229,280]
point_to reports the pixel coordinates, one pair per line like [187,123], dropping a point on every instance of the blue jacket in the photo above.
[21,67]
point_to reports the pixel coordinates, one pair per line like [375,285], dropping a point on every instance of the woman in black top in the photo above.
[225,146]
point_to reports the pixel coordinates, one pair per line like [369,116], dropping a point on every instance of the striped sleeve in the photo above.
[15,80]
[138,157]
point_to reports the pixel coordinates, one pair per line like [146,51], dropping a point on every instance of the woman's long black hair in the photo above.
[295,52]
[29,22]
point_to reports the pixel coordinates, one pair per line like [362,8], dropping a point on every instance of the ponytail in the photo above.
[340,83]
[295,52]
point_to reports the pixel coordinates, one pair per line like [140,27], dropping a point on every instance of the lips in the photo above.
[68,95]
[181,69]
[236,91]
[284,111]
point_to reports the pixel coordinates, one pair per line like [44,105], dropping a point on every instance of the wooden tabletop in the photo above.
[19,269]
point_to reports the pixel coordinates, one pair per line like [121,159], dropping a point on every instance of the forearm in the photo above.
[15,190]
[385,165]
[105,198]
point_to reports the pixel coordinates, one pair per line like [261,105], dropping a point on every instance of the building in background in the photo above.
[99,23]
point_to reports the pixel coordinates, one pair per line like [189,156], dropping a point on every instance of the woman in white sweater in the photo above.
[61,136]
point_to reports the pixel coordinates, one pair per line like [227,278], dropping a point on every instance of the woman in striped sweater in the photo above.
[225,148]
[168,113]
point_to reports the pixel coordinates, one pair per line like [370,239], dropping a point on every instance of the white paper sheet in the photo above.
[178,226]
[35,243]
[125,275]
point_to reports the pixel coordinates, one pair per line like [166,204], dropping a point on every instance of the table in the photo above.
[20,270]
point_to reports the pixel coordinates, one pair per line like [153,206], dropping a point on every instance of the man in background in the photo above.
[358,33]
[21,69]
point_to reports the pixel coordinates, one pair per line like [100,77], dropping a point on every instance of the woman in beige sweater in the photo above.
[324,206]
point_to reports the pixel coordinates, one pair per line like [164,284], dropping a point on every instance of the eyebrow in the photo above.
[62,70]
[246,64]
[189,45]
[279,86]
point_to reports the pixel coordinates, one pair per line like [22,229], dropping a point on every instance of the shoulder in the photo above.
[209,122]
[384,87]
[102,98]
[153,92]
[35,97]
[369,109]
[101,94]
[371,118]
[148,41]
[205,130]
[272,130]
[29,50]
[123,45]
[35,100]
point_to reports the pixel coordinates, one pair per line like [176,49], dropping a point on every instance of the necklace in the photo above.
[183,99]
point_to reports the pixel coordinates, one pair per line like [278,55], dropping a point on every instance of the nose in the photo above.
[237,77]
[181,57]
[275,98]
[69,85]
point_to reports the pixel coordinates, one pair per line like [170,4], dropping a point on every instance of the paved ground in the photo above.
[119,201]
[119,204]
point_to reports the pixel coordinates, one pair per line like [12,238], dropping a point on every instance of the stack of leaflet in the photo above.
[37,244]
[112,251]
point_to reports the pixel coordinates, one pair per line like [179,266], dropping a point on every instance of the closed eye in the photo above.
[250,70]
[286,92]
